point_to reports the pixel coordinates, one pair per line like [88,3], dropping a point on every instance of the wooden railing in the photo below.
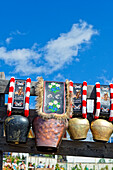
[67,147]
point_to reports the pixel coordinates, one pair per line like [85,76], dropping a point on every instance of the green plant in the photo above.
[57,167]
[93,167]
[48,156]
[76,167]
[102,160]
[106,167]
[86,168]
[33,164]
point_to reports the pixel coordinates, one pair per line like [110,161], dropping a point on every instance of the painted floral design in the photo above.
[54,106]
[54,87]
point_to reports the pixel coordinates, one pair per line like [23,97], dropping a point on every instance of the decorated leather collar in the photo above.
[18,98]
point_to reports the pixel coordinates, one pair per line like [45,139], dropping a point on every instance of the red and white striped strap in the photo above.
[26,108]
[111,101]
[84,98]
[97,114]
[10,96]
[71,97]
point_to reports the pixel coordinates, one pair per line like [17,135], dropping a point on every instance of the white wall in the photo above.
[46,161]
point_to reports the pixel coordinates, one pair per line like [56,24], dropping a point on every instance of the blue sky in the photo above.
[57,39]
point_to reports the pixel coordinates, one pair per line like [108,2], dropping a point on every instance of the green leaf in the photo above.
[57,90]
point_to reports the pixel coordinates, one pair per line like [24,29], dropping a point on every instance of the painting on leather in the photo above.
[54,97]
[19,94]
[105,100]
[77,99]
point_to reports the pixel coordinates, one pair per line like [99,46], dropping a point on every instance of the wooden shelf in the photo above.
[68,148]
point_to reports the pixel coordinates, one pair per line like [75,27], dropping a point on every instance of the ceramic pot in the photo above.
[101,130]
[48,133]
[78,128]
[16,129]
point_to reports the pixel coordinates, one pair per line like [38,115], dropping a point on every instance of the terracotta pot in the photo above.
[16,129]
[48,133]
[101,130]
[78,128]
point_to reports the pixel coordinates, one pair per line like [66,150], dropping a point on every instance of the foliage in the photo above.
[73,168]
[34,164]
[93,167]
[102,160]
[12,158]
[77,167]
[57,167]
[48,156]
[105,168]
[86,168]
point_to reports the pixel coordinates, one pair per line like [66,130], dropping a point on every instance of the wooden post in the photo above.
[2,103]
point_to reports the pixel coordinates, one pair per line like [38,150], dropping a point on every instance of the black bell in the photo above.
[17,129]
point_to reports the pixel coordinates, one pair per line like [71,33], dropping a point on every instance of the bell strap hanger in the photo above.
[98,102]
[111,102]
[84,98]
[97,113]
[71,98]
[11,95]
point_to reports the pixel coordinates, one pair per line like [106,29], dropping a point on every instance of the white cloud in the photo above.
[54,55]
[20,59]
[35,46]
[12,34]
[8,40]
[17,32]
[105,80]
[77,60]
[59,77]
[62,50]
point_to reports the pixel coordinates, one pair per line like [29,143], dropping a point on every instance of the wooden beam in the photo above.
[2,75]
[4,88]
[2,104]
[68,148]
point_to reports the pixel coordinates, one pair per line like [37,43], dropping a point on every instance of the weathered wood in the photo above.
[4,88]
[71,148]
[2,104]
[33,114]
[2,75]
[3,114]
